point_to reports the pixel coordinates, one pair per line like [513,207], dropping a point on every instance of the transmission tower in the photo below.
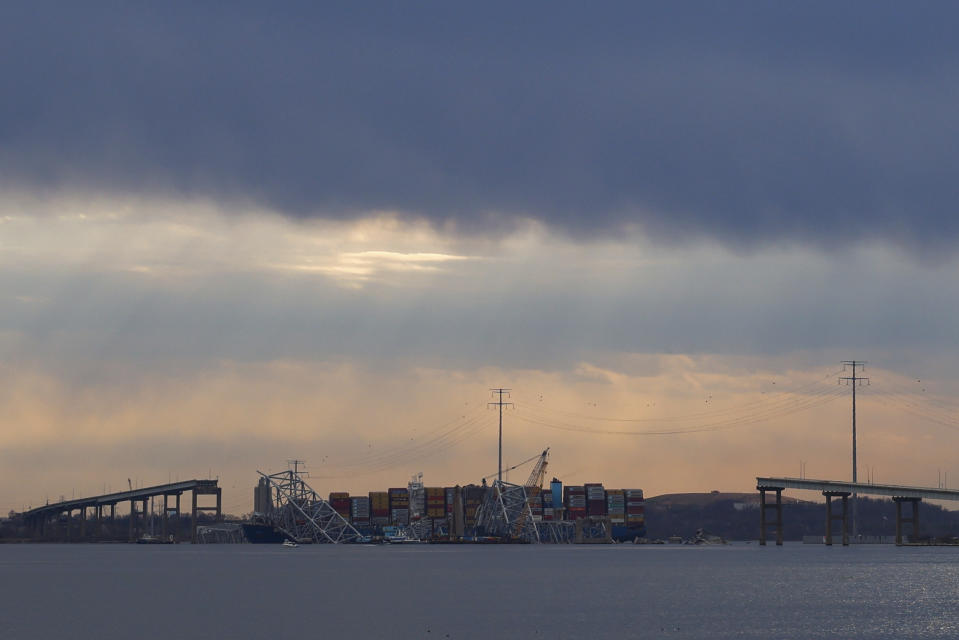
[856,381]
[499,403]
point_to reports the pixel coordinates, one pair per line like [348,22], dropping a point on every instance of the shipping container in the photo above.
[360,510]
[595,499]
[574,499]
[379,508]
[341,506]
[615,501]
[399,499]
[450,498]
[535,503]
[435,502]
[635,509]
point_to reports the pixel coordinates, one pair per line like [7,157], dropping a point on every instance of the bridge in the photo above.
[838,489]
[49,521]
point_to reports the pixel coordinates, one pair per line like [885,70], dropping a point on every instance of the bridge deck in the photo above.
[123,496]
[896,491]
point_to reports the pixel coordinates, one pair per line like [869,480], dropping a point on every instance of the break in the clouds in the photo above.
[751,123]
[149,291]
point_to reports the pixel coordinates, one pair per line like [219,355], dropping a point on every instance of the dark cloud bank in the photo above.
[810,122]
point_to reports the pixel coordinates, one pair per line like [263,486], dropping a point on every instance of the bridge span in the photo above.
[49,521]
[839,489]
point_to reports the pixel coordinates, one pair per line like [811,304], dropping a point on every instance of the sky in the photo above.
[233,235]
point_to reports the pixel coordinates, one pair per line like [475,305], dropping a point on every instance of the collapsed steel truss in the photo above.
[557,531]
[505,513]
[300,512]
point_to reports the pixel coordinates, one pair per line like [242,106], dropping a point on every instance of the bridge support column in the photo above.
[133,520]
[844,516]
[170,529]
[83,522]
[98,514]
[763,523]
[193,519]
[144,511]
[207,491]
[166,515]
[177,523]
[914,520]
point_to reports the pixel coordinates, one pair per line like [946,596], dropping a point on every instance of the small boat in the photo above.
[289,543]
[394,535]
[707,538]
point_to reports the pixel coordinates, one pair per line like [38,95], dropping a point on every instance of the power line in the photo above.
[438,440]
[727,415]
[783,396]
[801,404]
[782,406]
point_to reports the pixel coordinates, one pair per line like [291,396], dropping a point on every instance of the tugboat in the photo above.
[290,543]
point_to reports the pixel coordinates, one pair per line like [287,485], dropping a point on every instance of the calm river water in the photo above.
[431,591]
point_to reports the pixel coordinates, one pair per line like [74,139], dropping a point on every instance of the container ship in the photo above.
[432,508]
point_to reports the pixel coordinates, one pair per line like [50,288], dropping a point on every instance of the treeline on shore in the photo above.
[734,520]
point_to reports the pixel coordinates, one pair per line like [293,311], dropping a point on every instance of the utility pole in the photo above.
[499,403]
[856,381]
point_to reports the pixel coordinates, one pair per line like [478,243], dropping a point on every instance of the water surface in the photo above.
[431,591]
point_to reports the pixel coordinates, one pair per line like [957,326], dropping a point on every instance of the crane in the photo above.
[505,510]
[538,474]
[539,469]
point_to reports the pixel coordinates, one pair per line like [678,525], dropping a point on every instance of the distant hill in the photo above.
[703,499]
[735,516]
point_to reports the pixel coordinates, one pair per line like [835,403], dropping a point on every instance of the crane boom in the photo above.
[538,474]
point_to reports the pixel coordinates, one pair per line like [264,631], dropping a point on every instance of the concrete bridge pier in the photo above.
[133,520]
[167,510]
[193,515]
[778,506]
[914,520]
[146,515]
[830,516]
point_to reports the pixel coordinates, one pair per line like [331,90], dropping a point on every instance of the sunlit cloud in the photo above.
[183,340]
[355,268]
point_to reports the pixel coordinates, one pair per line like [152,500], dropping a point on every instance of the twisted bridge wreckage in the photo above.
[302,515]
